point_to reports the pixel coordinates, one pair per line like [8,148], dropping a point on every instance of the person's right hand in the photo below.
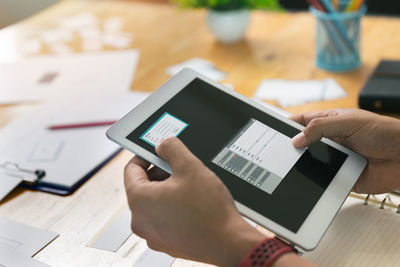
[375,137]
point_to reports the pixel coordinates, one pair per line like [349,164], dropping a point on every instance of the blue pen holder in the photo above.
[338,40]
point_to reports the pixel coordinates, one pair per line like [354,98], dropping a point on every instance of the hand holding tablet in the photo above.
[293,192]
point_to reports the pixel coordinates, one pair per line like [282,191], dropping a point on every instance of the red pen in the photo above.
[81,125]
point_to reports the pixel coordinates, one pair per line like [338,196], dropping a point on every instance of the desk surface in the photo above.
[276,46]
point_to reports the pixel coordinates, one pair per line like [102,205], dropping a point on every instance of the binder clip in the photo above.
[29,176]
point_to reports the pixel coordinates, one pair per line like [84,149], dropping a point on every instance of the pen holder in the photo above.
[338,40]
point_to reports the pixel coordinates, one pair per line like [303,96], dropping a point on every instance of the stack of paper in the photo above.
[293,93]
[203,66]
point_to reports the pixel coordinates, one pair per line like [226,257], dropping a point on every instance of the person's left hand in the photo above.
[190,214]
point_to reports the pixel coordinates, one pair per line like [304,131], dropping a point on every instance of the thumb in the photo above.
[178,156]
[329,127]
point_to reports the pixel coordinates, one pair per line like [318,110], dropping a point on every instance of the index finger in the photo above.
[135,173]
[305,118]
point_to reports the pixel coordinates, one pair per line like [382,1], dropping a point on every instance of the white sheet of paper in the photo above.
[117,40]
[79,21]
[115,234]
[55,77]
[57,35]
[203,66]
[292,93]
[7,183]
[60,48]
[113,24]
[9,257]
[23,238]
[97,108]
[154,258]
[30,46]
[29,142]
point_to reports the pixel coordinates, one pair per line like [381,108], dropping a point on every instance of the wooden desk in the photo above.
[276,46]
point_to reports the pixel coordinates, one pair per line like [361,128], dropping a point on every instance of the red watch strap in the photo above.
[265,253]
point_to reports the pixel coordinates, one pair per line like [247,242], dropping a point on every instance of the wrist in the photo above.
[237,240]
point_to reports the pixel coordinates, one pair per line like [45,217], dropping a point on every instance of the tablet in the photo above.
[295,193]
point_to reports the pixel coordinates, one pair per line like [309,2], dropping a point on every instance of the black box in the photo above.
[382,91]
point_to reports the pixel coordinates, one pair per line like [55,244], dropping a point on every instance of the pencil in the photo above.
[81,125]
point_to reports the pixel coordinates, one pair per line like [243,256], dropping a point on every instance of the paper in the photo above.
[27,140]
[57,36]
[60,49]
[29,46]
[24,238]
[9,257]
[292,93]
[7,183]
[79,21]
[97,108]
[154,258]
[360,235]
[50,77]
[116,232]
[113,24]
[203,66]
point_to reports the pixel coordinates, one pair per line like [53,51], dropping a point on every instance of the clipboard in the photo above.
[68,157]
[37,184]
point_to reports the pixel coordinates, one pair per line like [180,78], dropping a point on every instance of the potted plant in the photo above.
[228,19]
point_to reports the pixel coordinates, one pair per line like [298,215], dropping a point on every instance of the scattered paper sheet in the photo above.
[9,257]
[49,77]
[8,182]
[92,33]
[115,233]
[203,66]
[293,93]
[23,238]
[154,258]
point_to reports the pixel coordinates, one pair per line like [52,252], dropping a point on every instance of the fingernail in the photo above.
[299,140]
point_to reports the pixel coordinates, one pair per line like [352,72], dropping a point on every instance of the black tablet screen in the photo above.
[249,150]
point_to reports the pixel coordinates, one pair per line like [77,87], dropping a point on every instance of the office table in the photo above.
[277,45]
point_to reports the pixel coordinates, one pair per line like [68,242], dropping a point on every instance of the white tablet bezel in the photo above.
[317,222]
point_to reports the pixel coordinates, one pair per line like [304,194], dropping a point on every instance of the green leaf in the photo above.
[229,4]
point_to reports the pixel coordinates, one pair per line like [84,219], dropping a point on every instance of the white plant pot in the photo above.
[228,26]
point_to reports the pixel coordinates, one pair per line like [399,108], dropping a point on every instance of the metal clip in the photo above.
[387,197]
[29,176]
[366,200]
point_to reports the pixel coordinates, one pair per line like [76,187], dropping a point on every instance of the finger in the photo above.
[141,162]
[306,118]
[135,173]
[178,156]
[329,127]
[157,174]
